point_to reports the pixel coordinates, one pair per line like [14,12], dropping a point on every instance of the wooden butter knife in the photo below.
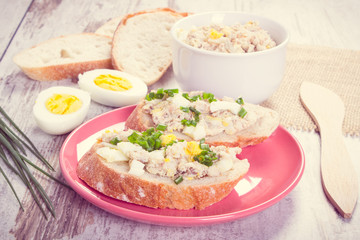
[339,179]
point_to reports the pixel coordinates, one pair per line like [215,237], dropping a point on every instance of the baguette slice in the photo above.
[113,179]
[65,56]
[262,123]
[142,43]
[109,27]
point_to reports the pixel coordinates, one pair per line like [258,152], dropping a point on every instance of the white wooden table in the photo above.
[303,214]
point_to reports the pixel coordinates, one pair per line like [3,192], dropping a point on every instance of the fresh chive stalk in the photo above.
[13,145]
[29,145]
[12,188]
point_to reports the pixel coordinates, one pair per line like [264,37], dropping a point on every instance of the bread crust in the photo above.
[124,20]
[64,71]
[155,194]
[138,120]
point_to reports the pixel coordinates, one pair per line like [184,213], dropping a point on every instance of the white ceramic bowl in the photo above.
[254,76]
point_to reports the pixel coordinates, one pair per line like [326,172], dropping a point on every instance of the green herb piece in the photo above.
[149,131]
[161,127]
[133,137]
[161,93]
[178,180]
[206,157]
[204,146]
[242,113]
[191,99]
[150,96]
[148,140]
[172,142]
[171,92]
[115,141]
[157,143]
[209,96]
[196,115]
[185,109]
[188,123]
[240,101]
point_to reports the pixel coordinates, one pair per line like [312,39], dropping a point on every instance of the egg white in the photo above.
[113,98]
[57,124]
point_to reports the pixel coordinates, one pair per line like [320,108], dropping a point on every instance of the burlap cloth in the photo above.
[335,69]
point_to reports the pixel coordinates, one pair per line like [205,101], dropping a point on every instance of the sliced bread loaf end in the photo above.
[65,56]
[142,43]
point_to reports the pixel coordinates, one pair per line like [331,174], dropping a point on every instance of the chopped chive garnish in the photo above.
[148,140]
[161,93]
[196,115]
[240,101]
[161,127]
[115,141]
[206,157]
[185,109]
[188,123]
[179,179]
[242,112]
[209,96]
[150,96]
[191,99]
[170,92]
[204,146]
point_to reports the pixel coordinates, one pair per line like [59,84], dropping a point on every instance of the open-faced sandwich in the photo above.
[196,115]
[156,170]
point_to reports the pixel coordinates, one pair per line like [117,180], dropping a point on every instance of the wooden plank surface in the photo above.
[304,214]
[11,16]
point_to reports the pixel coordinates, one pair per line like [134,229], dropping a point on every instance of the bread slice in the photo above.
[113,179]
[259,124]
[65,57]
[142,43]
[109,27]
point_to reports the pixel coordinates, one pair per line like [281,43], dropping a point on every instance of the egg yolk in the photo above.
[113,83]
[166,139]
[192,149]
[215,34]
[63,104]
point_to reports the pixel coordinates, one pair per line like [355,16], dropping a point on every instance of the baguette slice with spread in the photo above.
[229,122]
[163,177]
[142,43]
[65,57]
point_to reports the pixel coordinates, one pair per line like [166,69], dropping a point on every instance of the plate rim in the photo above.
[78,187]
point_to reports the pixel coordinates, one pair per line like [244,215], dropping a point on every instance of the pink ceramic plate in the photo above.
[276,166]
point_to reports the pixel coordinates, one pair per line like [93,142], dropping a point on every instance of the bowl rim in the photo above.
[222,54]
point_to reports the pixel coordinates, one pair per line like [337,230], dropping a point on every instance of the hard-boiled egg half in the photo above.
[112,87]
[58,110]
